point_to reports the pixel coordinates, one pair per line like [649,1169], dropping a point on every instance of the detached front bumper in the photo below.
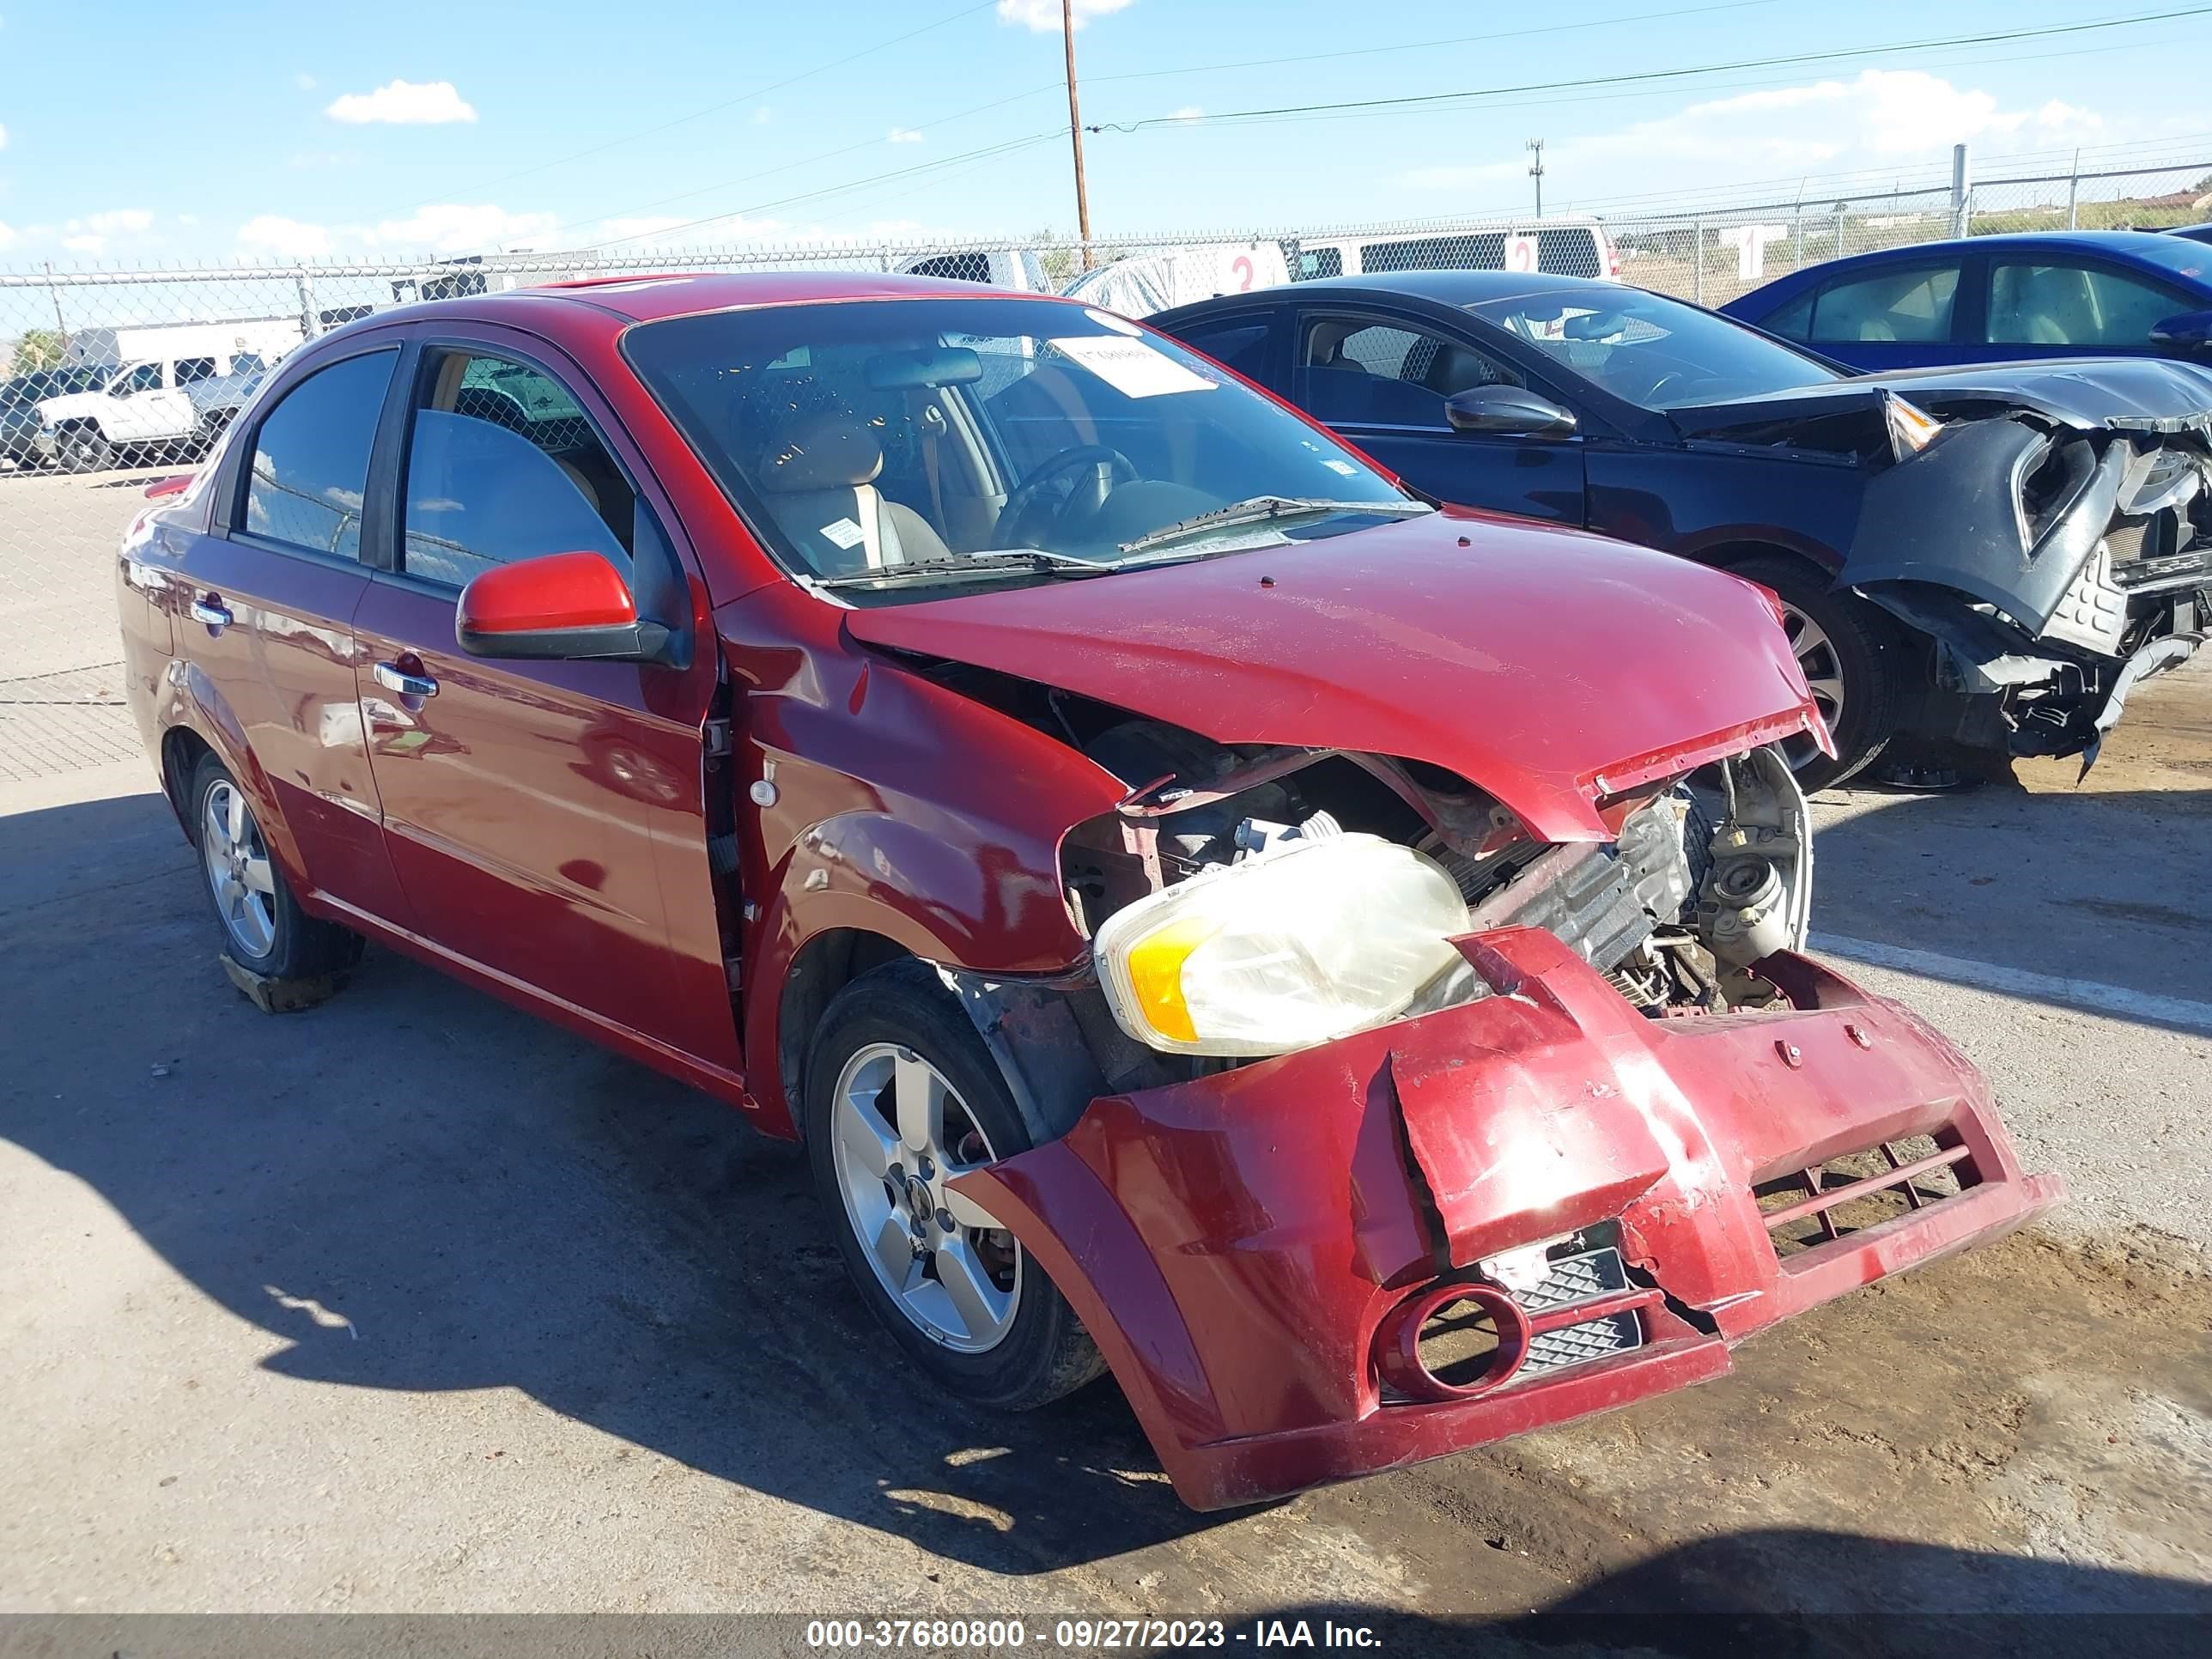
[1247,1249]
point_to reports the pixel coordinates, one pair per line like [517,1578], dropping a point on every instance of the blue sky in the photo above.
[138,131]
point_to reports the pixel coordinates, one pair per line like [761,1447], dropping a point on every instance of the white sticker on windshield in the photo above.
[845,533]
[1132,368]
[1343,467]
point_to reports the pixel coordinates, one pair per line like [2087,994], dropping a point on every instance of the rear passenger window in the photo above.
[503,465]
[1356,373]
[1912,305]
[193,370]
[310,466]
[1315,263]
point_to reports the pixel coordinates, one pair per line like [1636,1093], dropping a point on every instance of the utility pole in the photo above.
[1535,147]
[1075,130]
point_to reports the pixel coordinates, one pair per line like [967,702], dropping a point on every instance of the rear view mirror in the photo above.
[1508,411]
[564,606]
[2192,329]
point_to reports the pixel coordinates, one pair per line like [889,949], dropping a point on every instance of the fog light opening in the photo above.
[1453,1341]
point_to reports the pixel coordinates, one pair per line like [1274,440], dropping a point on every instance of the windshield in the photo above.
[1655,353]
[895,449]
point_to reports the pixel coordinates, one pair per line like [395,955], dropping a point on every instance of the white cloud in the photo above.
[7,233]
[903,136]
[95,232]
[1881,118]
[306,83]
[288,239]
[763,116]
[448,227]
[403,103]
[453,228]
[1188,112]
[1043,15]
[3,137]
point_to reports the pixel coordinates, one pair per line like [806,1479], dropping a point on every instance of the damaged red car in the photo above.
[1213,916]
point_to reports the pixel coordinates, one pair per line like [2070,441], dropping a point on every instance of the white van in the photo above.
[1016,268]
[1564,248]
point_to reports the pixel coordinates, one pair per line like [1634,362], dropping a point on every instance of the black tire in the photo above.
[1868,657]
[1045,1351]
[299,946]
[83,449]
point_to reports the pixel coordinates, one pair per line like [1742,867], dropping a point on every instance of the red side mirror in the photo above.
[562,606]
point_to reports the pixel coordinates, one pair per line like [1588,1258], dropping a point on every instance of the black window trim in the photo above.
[1269,317]
[232,488]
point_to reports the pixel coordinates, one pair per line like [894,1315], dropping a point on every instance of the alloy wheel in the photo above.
[238,869]
[902,1135]
[1824,677]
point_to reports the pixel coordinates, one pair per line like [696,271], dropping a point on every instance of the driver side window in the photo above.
[1354,371]
[503,466]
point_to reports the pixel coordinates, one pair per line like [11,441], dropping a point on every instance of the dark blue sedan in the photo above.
[1998,299]
[1967,559]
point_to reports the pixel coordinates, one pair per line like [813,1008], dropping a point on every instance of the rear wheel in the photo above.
[264,930]
[1853,663]
[902,1097]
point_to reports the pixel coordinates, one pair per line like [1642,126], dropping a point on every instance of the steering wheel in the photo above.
[1024,499]
[1681,379]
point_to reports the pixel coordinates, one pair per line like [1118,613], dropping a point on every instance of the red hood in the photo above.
[1547,666]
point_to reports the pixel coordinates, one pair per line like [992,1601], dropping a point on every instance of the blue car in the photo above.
[1998,299]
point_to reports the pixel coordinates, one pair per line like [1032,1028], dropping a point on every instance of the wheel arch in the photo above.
[823,965]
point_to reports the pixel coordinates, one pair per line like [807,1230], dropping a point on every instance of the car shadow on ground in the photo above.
[1816,1595]
[419,1187]
[2092,886]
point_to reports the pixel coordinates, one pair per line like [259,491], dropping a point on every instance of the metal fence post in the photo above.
[2073,194]
[310,323]
[1698,263]
[1962,193]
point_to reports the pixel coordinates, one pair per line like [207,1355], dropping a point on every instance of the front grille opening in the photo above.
[1459,1345]
[1859,1190]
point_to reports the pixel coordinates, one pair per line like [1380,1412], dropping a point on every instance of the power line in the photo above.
[1433,99]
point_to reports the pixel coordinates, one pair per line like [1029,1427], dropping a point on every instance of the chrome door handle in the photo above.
[392,677]
[212,611]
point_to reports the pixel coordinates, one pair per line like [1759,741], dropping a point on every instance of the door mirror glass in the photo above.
[1508,411]
[2192,328]
[568,606]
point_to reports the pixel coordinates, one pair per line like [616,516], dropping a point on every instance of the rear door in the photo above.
[546,819]
[1380,380]
[1907,314]
[263,609]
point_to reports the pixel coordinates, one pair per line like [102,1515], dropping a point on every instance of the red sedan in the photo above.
[1212,915]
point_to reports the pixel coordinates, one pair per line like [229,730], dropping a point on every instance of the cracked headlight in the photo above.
[1302,944]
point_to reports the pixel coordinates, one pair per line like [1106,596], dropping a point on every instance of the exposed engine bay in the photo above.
[1246,900]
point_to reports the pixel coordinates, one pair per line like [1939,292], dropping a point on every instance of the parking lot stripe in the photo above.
[2087,993]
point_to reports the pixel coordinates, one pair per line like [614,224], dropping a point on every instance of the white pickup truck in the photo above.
[144,405]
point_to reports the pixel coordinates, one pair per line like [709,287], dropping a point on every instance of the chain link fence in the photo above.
[112,378]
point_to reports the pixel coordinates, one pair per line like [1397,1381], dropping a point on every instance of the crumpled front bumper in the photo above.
[1237,1244]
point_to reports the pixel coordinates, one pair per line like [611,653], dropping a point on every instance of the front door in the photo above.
[546,818]
[1382,383]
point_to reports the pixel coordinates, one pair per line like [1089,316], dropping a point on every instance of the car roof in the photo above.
[650,298]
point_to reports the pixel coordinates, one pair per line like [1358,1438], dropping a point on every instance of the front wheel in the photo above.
[1852,662]
[83,449]
[902,1097]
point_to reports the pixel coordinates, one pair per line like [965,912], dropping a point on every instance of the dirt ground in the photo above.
[414,1303]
